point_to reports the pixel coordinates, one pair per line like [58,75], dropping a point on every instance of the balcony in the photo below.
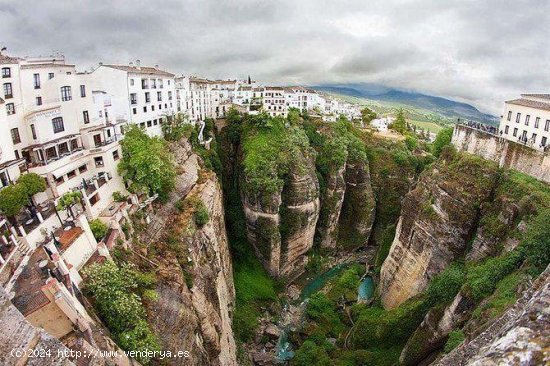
[53,151]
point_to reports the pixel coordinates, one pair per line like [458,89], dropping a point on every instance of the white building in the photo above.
[141,95]
[273,101]
[382,124]
[527,120]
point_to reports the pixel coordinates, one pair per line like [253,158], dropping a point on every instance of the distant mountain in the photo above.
[445,107]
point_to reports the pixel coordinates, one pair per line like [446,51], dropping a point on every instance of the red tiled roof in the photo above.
[5,59]
[541,96]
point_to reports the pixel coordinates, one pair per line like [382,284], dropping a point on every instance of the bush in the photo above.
[115,291]
[201,214]
[311,354]
[442,139]
[99,229]
[119,197]
[456,337]
[537,242]
[411,143]
[444,286]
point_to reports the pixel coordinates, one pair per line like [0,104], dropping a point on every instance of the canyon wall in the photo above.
[437,220]
[196,297]
[507,154]
[281,226]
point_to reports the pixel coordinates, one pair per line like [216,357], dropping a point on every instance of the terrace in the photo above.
[53,151]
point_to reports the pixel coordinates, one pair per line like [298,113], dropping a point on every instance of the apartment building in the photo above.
[194,97]
[141,95]
[527,120]
[273,101]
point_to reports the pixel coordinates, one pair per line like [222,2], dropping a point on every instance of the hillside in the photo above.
[448,110]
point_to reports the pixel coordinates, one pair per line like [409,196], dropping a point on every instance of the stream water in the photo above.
[365,292]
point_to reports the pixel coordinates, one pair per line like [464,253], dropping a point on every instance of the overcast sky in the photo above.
[478,51]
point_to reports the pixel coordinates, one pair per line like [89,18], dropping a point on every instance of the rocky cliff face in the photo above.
[520,336]
[195,290]
[437,221]
[331,206]
[281,225]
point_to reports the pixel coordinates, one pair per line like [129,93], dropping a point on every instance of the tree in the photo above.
[68,200]
[442,139]
[99,229]
[367,115]
[32,184]
[147,163]
[12,199]
[400,124]
[175,127]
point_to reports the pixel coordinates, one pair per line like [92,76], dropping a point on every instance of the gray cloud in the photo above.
[480,52]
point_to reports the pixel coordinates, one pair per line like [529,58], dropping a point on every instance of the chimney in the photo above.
[157,66]
[138,64]
[131,64]
[101,64]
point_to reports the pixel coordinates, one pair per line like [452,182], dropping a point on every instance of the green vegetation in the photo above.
[119,197]
[146,163]
[399,124]
[117,291]
[504,296]
[367,115]
[99,229]
[68,200]
[175,127]
[201,215]
[18,195]
[444,286]
[455,338]
[442,139]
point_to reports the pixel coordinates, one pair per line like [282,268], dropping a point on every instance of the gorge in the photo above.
[347,248]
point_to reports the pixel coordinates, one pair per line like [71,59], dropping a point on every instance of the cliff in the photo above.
[281,225]
[189,252]
[519,336]
[437,221]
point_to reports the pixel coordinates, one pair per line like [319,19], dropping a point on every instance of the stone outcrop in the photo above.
[281,226]
[331,206]
[195,293]
[437,221]
[520,336]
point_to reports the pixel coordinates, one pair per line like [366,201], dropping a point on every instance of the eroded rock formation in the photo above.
[438,219]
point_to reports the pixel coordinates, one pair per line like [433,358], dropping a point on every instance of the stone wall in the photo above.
[507,154]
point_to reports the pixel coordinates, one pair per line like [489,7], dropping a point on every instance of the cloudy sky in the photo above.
[478,51]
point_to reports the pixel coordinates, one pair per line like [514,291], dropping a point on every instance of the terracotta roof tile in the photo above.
[141,70]
[530,103]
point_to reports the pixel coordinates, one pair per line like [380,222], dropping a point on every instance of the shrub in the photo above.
[201,214]
[99,229]
[311,354]
[456,337]
[119,197]
[442,139]
[411,142]
[537,241]
[444,286]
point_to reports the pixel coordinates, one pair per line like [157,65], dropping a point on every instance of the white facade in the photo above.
[140,95]
[527,120]
[381,124]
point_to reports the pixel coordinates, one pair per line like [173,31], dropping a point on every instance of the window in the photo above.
[518,116]
[161,84]
[134,110]
[15,135]
[98,161]
[38,100]
[86,117]
[543,141]
[159,96]
[152,107]
[6,72]
[142,125]
[506,129]
[160,107]
[8,91]
[509,115]
[63,149]
[71,174]
[82,91]
[534,138]
[10,108]
[149,123]
[57,123]
[133,98]
[66,93]
[115,155]
[74,144]
[16,152]
[33,131]
[36,81]
[147,97]
[155,122]
[153,83]
[547,125]
[515,132]
[145,109]
[169,95]
[50,76]
[144,84]
[100,114]
[131,82]
[82,168]
[51,153]
[168,82]
[60,180]
[537,121]
[527,117]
